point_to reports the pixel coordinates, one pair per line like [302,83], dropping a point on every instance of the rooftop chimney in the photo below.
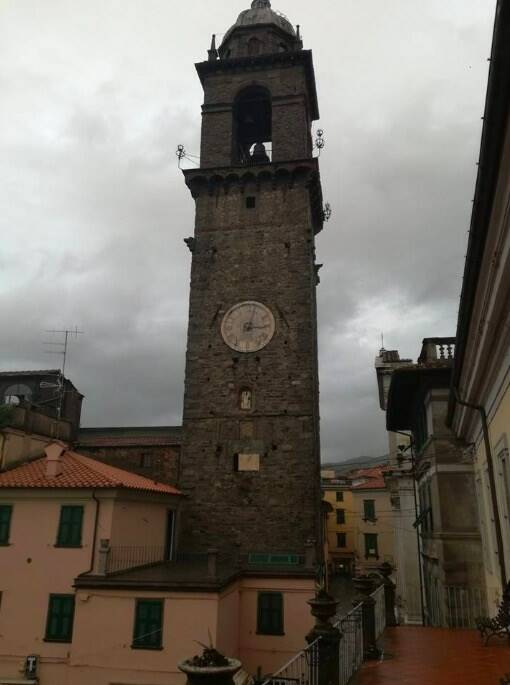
[54,453]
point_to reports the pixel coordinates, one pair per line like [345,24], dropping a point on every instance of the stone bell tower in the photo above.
[250,463]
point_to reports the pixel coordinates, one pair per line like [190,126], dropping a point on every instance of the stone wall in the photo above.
[264,254]
[159,463]
[288,86]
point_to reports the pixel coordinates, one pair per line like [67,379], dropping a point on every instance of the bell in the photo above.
[259,155]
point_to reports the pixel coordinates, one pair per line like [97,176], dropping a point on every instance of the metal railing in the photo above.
[455,606]
[303,669]
[380,611]
[122,558]
[351,645]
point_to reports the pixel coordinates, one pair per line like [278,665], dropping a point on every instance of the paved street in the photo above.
[436,656]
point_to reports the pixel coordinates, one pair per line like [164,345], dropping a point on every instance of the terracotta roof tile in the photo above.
[79,472]
[374,478]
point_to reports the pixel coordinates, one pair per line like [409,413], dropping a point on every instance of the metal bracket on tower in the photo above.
[327,212]
[320,141]
[181,154]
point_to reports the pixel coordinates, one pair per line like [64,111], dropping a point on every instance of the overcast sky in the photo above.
[94,98]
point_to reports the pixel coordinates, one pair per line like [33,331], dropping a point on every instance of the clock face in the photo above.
[248,327]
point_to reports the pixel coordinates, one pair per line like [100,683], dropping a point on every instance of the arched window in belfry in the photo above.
[252,126]
[16,394]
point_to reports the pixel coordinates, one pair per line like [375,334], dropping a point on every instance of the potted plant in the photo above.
[210,668]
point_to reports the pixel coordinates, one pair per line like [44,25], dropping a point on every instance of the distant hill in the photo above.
[357,463]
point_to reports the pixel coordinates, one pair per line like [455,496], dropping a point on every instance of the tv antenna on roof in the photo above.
[62,348]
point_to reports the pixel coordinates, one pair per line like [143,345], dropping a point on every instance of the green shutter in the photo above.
[70,526]
[148,630]
[371,549]
[270,613]
[369,509]
[5,523]
[59,625]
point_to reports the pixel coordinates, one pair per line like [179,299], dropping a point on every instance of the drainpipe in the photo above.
[416,513]
[492,482]
[2,447]
[94,540]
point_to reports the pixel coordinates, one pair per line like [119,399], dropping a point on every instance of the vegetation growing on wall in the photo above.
[6,413]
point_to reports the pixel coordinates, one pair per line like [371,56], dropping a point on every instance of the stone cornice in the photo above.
[277,175]
[277,59]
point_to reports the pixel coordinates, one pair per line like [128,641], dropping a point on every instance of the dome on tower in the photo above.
[258,18]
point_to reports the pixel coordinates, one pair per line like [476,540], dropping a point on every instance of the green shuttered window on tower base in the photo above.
[270,613]
[148,631]
[5,523]
[59,625]
[70,526]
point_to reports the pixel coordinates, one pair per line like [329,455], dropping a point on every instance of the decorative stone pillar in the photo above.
[364,586]
[323,609]
[389,594]
[102,557]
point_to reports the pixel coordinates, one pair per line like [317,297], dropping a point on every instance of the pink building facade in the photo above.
[86,549]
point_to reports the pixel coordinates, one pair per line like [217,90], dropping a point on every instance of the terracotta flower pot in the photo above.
[210,675]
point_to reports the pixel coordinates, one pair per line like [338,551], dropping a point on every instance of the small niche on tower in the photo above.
[246,399]
[252,126]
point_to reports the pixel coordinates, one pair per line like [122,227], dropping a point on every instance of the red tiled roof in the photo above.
[79,472]
[374,478]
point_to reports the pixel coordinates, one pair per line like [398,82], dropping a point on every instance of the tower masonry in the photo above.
[250,460]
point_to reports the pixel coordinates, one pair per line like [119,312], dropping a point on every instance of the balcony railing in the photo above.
[380,611]
[303,669]
[116,558]
[455,606]
[351,645]
[437,350]
[122,558]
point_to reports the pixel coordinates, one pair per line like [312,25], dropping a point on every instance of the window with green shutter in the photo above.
[270,613]
[341,540]
[369,510]
[148,632]
[59,625]
[371,547]
[340,516]
[5,523]
[70,526]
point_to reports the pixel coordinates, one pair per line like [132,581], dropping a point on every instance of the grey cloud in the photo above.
[93,208]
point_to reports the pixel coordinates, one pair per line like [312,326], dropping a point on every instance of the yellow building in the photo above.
[341,532]
[373,518]
[360,523]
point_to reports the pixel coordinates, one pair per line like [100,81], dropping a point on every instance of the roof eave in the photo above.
[497,106]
